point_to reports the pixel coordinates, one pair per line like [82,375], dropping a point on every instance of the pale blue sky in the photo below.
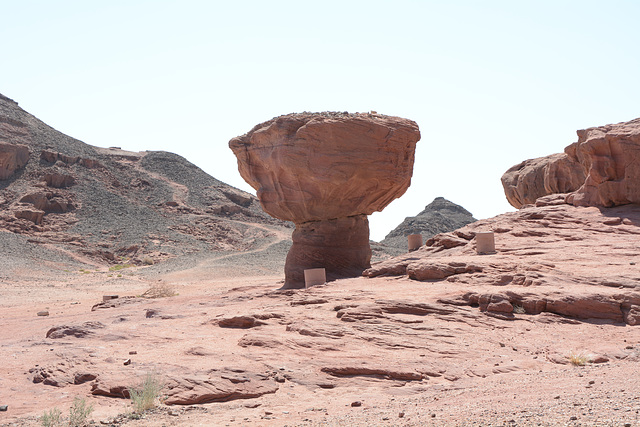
[491,83]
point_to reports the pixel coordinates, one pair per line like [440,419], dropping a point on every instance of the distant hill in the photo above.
[439,216]
[60,197]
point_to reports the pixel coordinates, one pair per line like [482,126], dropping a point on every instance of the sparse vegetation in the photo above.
[119,267]
[579,358]
[79,413]
[147,261]
[52,418]
[159,291]
[146,394]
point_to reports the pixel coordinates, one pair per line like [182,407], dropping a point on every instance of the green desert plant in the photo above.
[119,267]
[579,358]
[52,418]
[79,413]
[145,395]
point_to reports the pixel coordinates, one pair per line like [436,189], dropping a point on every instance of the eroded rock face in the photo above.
[12,158]
[601,169]
[610,155]
[526,182]
[326,172]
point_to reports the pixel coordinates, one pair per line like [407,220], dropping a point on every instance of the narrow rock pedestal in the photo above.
[340,246]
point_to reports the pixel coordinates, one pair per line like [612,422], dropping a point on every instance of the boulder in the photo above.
[12,158]
[610,155]
[48,202]
[30,214]
[524,183]
[325,172]
[58,180]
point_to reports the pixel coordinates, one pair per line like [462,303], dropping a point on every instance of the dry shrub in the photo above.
[579,358]
[159,291]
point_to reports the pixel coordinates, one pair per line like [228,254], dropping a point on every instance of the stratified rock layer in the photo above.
[526,182]
[573,261]
[610,155]
[601,169]
[341,243]
[324,172]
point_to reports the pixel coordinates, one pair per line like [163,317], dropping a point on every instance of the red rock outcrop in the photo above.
[48,201]
[30,214]
[526,182]
[610,155]
[326,172]
[601,169]
[548,259]
[12,158]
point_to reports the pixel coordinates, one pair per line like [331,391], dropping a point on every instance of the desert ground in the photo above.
[232,349]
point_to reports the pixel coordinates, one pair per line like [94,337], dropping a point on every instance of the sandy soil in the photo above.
[444,365]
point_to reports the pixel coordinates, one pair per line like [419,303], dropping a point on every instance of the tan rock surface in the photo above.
[326,172]
[487,341]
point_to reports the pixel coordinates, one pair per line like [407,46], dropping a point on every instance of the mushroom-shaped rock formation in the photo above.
[601,169]
[326,172]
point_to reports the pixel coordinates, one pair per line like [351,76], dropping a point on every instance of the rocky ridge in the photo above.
[102,206]
[439,216]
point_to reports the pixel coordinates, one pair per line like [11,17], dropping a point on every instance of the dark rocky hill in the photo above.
[62,199]
[440,216]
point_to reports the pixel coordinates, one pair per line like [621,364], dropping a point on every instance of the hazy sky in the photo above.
[490,83]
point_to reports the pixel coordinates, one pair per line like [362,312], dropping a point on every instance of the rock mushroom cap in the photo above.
[318,166]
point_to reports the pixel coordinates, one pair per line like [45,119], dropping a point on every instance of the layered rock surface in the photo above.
[601,169]
[326,172]
[610,156]
[573,261]
[526,182]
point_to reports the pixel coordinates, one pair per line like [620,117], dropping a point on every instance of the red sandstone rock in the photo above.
[526,182]
[610,156]
[545,262]
[30,214]
[58,180]
[12,158]
[601,169]
[326,172]
[48,202]
[197,389]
